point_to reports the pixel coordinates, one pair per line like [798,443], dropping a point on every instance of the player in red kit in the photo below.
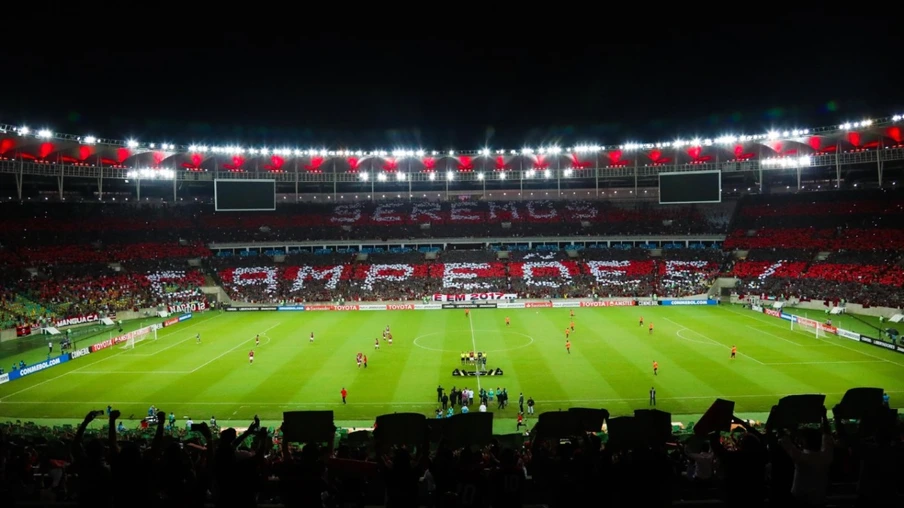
[251,357]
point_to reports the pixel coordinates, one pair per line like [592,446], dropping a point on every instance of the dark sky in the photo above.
[636,83]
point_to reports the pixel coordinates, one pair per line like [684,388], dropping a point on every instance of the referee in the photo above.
[652,396]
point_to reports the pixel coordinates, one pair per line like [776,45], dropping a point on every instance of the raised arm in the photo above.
[111,432]
[157,444]
[249,431]
[77,451]
[284,445]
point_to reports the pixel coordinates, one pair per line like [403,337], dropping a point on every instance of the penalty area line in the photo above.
[714,342]
[474,345]
[752,316]
[114,355]
[221,355]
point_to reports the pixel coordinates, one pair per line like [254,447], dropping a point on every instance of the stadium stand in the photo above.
[830,247]
[162,462]
[62,224]
[533,274]
[97,258]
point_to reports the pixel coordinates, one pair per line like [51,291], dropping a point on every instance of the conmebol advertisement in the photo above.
[689,302]
[79,353]
[38,367]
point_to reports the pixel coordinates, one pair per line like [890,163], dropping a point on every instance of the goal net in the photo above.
[136,338]
[809,326]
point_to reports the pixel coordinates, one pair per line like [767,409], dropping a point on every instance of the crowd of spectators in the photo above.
[411,276]
[822,247]
[84,257]
[66,291]
[104,231]
[866,220]
[841,463]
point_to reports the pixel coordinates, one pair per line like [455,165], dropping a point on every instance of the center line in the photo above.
[474,345]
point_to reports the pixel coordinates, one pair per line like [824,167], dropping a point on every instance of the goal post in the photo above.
[135,339]
[816,329]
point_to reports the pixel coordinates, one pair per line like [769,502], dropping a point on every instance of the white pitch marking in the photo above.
[107,372]
[774,335]
[114,355]
[474,345]
[426,403]
[824,363]
[419,337]
[714,342]
[240,344]
[864,353]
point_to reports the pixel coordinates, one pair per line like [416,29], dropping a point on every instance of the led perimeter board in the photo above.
[244,195]
[690,187]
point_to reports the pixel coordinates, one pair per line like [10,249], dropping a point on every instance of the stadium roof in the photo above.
[781,147]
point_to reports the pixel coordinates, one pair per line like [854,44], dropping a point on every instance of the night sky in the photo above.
[337,92]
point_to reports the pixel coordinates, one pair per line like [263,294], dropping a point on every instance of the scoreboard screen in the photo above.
[690,187]
[244,195]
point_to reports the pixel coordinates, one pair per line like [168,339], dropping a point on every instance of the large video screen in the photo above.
[244,195]
[690,187]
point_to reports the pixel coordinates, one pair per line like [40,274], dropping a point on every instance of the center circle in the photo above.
[492,337]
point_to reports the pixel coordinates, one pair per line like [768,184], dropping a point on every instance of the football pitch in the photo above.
[609,366]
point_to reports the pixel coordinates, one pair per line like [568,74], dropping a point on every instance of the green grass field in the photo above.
[610,364]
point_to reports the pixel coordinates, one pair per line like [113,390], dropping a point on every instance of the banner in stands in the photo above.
[469,305]
[77,320]
[331,307]
[610,303]
[185,317]
[187,307]
[290,308]
[79,353]
[170,322]
[4,378]
[467,297]
[23,330]
[38,367]
[847,334]
[689,302]
[537,305]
